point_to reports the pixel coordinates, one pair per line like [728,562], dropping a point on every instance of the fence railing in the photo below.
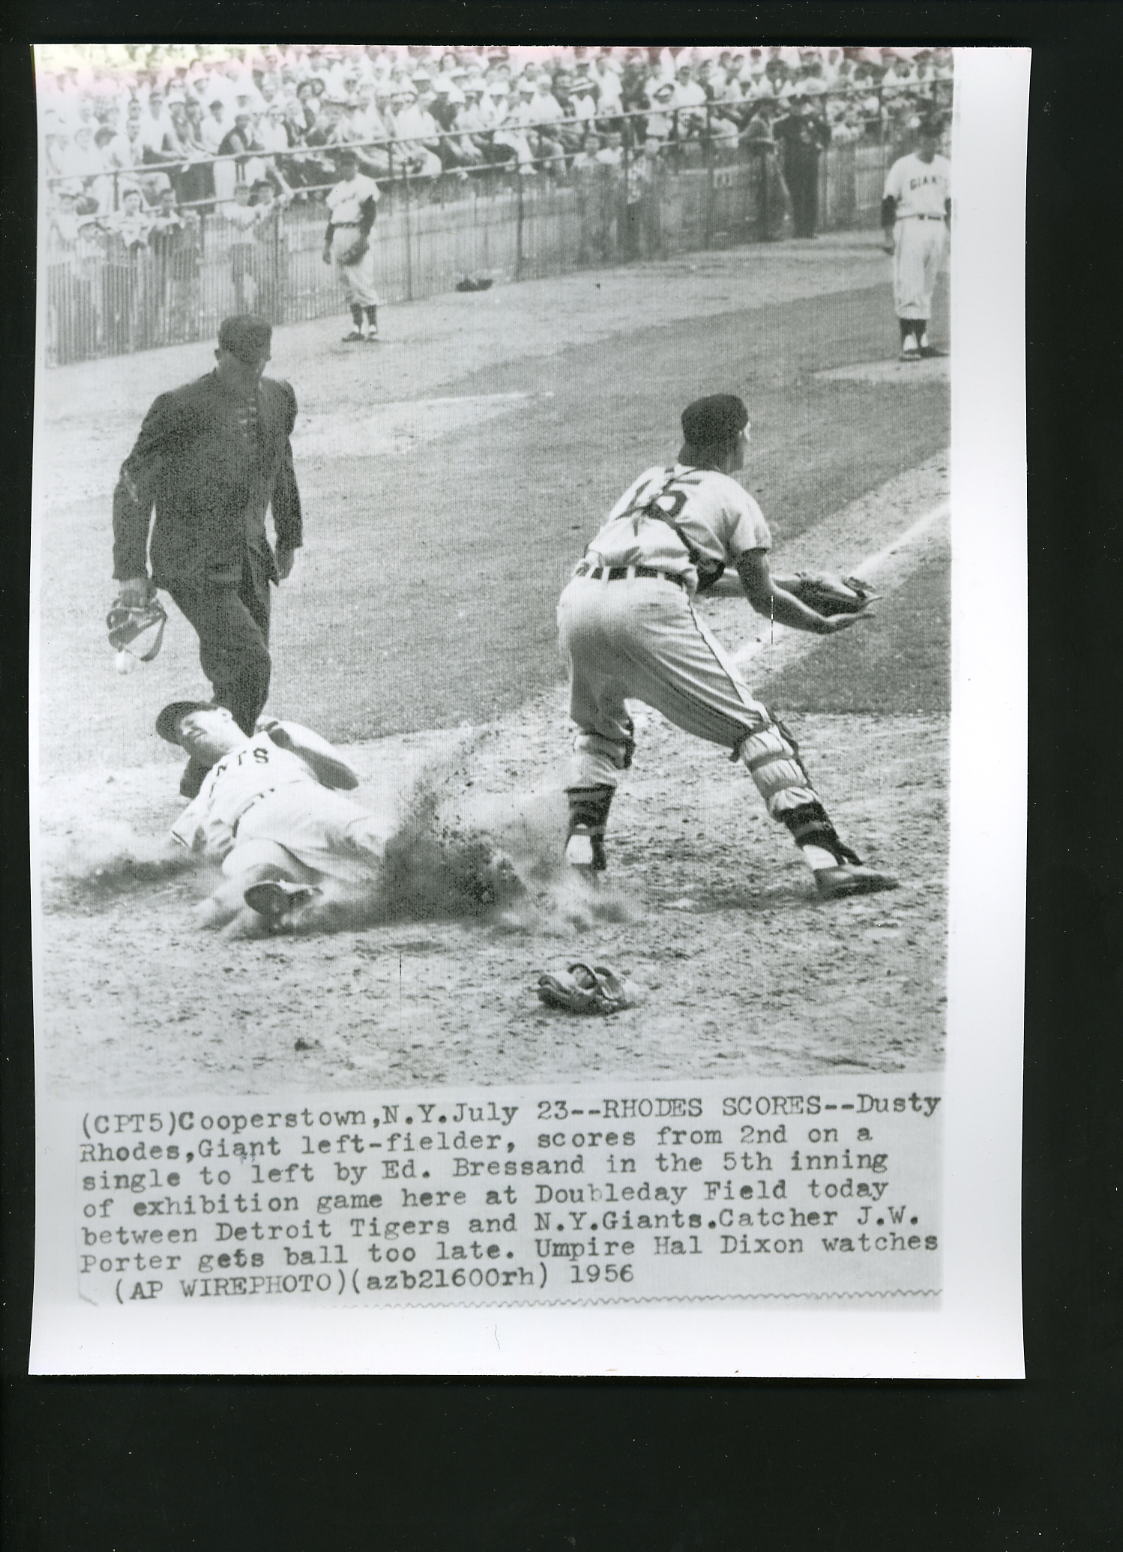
[117,284]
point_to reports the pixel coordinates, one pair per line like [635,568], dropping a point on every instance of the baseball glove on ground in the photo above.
[828,594]
[579,988]
[353,254]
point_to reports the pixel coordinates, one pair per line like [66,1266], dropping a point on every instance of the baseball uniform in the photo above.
[262,803]
[916,203]
[628,624]
[351,212]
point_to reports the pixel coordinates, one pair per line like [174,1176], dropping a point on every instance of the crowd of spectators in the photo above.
[203,119]
[149,150]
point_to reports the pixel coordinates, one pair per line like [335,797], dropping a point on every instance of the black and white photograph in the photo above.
[513,832]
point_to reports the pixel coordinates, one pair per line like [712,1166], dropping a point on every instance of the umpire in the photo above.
[211,458]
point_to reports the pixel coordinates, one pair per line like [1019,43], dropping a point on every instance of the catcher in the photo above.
[628,625]
[271,809]
[352,205]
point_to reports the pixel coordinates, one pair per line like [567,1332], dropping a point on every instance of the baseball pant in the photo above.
[640,639]
[918,253]
[231,620]
[357,279]
[314,835]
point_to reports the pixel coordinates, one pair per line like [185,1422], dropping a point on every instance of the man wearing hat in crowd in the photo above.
[476,119]
[662,122]
[416,132]
[628,626]
[803,134]
[211,458]
[775,201]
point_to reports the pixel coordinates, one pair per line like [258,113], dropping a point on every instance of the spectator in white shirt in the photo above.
[416,135]
[215,126]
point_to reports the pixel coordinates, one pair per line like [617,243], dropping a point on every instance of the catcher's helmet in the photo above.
[137,629]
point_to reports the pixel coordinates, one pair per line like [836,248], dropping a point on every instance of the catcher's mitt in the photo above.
[580,988]
[828,594]
[353,254]
[136,629]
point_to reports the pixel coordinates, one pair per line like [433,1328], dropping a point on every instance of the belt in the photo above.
[922,218]
[625,573]
[343,226]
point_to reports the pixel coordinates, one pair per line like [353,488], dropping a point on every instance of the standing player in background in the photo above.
[915,216]
[628,625]
[352,206]
[211,459]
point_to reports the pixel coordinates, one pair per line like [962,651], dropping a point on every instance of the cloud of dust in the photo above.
[107,858]
[457,854]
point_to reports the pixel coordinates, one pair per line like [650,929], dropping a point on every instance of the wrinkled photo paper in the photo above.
[351,1057]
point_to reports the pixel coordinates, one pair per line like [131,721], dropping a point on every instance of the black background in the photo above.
[399,1465]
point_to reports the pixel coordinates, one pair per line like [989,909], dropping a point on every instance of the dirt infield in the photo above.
[453,476]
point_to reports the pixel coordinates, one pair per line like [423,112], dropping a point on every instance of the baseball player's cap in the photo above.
[245,336]
[167,723]
[713,419]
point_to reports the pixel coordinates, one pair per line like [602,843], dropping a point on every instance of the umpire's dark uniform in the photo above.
[212,459]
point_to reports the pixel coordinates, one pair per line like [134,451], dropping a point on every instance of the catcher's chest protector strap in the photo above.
[709,571]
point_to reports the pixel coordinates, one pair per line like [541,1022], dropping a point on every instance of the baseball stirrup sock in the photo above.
[357,315]
[772,759]
[812,831]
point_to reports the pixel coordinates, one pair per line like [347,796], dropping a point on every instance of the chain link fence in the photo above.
[131,275]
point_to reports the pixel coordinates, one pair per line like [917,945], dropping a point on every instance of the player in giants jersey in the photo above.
[272,810]
[915,215]
[628,624]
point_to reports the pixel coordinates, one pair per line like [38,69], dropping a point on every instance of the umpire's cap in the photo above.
[167,723]
[716,418]
[246,336]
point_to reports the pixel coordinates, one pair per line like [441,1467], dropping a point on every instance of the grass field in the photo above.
[450,479]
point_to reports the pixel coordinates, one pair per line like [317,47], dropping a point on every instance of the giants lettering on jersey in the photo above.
[255,752]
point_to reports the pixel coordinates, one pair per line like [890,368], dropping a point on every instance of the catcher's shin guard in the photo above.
[771,757]
[588,819]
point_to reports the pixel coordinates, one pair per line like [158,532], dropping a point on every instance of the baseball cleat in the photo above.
[277,900]
[928,351]
[355,334]
[585,850]
[848,879]
[372,337]
[910,351]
